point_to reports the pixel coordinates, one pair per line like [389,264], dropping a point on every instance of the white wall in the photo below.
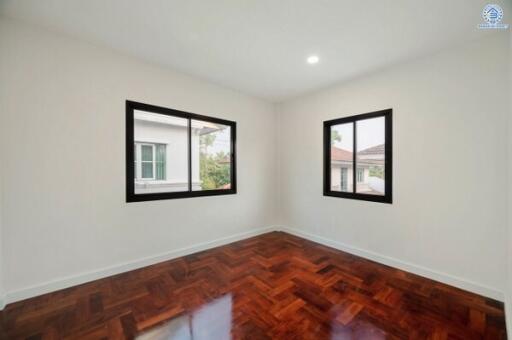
[448,218]
[2,297]
[62,136]
[508,291]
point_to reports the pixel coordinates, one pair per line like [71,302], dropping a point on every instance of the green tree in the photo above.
[214,170]
[335,137]
[205,141]
[377,171]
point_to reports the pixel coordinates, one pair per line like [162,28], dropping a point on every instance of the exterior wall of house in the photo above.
[336,178]
[363,185]
[176,140]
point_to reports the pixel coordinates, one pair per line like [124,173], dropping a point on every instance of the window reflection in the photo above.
[210,322]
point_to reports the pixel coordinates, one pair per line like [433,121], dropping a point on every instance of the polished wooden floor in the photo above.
[274,286]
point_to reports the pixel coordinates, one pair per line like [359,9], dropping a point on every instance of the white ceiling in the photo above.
[260,46]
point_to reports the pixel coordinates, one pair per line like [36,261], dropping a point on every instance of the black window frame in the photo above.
[388,154]
[131,196]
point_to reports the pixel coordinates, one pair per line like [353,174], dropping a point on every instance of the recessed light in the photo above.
[313,59]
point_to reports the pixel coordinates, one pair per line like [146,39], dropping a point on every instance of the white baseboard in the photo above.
[406,266]
[73,280]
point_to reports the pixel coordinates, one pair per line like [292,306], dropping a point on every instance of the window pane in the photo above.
[163,143]
[211,156]
[342,167]
[147,169]
[160,160]
[370,155]
[147,153]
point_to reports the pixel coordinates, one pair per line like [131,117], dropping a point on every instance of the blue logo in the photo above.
[492,15]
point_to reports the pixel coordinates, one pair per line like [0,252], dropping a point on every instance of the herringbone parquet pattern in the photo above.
[274,286]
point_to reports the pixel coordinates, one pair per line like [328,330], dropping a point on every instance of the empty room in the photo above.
[255,169]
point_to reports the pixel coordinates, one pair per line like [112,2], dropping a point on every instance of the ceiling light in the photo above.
[313,59]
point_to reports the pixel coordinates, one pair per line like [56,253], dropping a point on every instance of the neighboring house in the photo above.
[161,160]
[369,173]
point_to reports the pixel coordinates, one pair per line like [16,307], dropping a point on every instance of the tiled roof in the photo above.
[342,155]
[338,154]
[374,150]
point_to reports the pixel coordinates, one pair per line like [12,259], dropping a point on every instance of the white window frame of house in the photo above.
[139,161]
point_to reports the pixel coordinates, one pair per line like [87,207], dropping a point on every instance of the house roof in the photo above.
[342,155]
[338,154]
[374,150]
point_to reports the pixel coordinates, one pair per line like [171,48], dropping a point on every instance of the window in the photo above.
[344,179]
[358,157]
[213,143]
[176,154]
[152,161]
[360,175]
[147,163]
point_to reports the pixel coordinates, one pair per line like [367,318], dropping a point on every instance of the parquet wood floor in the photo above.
[273,286]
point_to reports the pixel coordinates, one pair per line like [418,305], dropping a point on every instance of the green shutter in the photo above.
[160,161]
